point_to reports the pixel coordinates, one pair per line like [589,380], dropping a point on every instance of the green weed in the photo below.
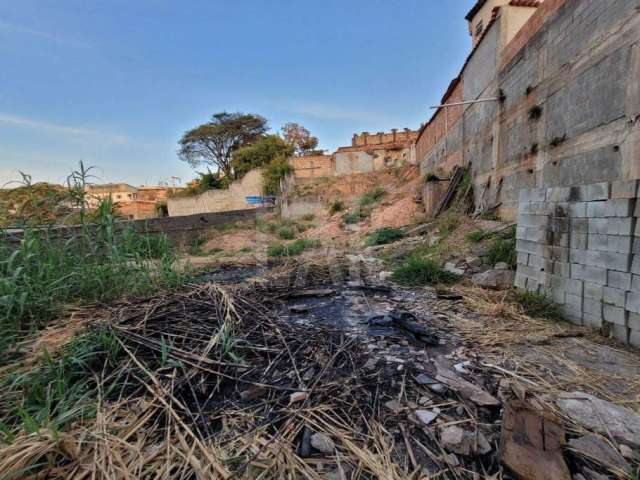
[476,236]
[371,197]
[292,249]
[286,233]
[61,390]
[336,206]
[383,236]
[503,249]
[537,305]
[422,271]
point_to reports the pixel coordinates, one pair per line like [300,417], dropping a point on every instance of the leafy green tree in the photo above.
[274,172]
[259,154]
[213,143]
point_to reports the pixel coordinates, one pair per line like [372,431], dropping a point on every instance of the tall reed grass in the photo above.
[100,261]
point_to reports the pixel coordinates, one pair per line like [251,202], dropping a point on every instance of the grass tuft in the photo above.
[286,233]
[336,206]
[292,249]
[371,197]
[476,236]
[502,250]
[383,236]
[422,271]
[537,305]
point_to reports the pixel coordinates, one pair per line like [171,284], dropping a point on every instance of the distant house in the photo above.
[118,192]
[132,202]
[514,12]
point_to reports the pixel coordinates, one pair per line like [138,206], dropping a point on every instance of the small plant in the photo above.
[292,249]
[476,236]
[336,206]
[286,233]
[537,305]
[502,250]
[215,250]
[355,216]
[371,197]
[490,216]
[422,271]
[195,248]
[383,236]
[310,217]
[535,112]
[264,226]
[62,390]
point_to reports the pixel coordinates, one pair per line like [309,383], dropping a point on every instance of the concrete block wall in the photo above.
[581,246]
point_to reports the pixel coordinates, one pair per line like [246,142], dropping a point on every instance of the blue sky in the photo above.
[116,82]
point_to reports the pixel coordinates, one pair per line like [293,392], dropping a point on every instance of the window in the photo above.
[479,28]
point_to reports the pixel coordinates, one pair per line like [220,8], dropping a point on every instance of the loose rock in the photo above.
[596,449]
[495,279]
[456,440]
[426,417]
[322,443]
[602,416]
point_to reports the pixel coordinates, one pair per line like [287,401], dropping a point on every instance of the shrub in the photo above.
[308,218]
[476,236]
[265,227]
[422,271]
[502,250]
[372,196]
[292,249]
[355,216]
[286,233]
[336,206]
[383,236]
[537,305]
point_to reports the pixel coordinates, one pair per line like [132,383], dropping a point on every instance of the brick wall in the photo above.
[440,124]
[394,136]
[581,246]
[312,166]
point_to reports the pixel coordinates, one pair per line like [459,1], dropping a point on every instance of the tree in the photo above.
[303,142]
[213,143]
[261,153]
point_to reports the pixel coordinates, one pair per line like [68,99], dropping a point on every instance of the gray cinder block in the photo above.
[533,248]
[620,280]
[593,291]
[633,321]
[620,333]
[615,297]
[580,225]
[615,315]
[525,220]
[635,283]
[597,209]
[569,285]
[598,191]
[621,226]
[562,269]
[599,225]
[633,302]
[621,207]
[520,281]
[589,274]
[578,209]
[591,321]
[533,195]
[635,265]
[624,189]
[558,194]
[523,259]
[593,308]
